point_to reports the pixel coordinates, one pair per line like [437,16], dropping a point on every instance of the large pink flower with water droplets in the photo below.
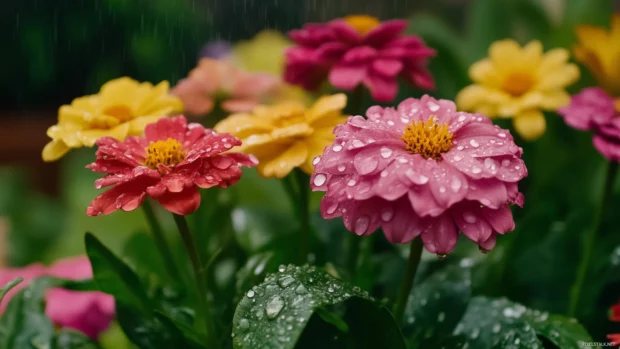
[358,50]
[169,163]
[422,169]
[593,109]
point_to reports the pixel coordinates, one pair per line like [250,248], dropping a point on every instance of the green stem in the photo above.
[160,241]
[201,282]
[588,246]
[304,214]
[415,253]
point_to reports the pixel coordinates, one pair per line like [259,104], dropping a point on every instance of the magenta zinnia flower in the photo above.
[358,50]
[168,164]
[422,169]
[594,110]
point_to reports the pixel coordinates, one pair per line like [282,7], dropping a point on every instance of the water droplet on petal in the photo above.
[442,189]
[469,217]
[342,167]
[351,182]
[457,158]
[361,225]
[455,184]
[301,289]
[505,162]
[332,208]
[316,160]
[460,147]
[387,214]
[476,170]
[320,179]
[386,152]
[462,118]
[433,106]
[357,143]
[501,135]
[474,143]
[337,148]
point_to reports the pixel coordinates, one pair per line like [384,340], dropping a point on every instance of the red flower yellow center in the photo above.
[362,23]
[518,84]
[121,112]
[166,152]
[429,139]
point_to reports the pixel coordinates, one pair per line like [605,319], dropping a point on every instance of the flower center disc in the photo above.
[428,139]
[518,83]
[362,23]
[166,152]
[121,112]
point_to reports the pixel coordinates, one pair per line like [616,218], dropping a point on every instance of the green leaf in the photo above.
[6,288]
[436,306]
[189,333]
[24,324]
[141,254]
[500,323]
[275,313]
[69,339]
[114,277]
[256,227]
[488,21]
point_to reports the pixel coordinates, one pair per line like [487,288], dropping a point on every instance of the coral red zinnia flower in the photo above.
[593,109]
[168,163]
[422,169]
[358,50]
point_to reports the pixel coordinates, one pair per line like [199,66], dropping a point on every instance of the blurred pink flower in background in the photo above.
[358,50]
[593,109]
[422,169]
[214,81]
[88,312]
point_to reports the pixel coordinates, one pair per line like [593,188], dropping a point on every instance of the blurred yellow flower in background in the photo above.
[286,135]
[519,82]
[123,107]
[265,53]
[599,50]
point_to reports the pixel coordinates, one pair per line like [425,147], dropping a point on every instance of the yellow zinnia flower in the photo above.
[599,50]
[519,82]
[286,135]
[123,107]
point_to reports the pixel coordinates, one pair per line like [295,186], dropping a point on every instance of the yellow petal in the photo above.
[285,162]
[324,105]
[296,130]
[315,148]
[89,137]
[530,125]
[484,72]
[531,54]
[558,78]
[505,53]
[552,100]
[54,150]
[243,125]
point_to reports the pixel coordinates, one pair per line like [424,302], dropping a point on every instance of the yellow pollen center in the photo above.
[617,105]
[362,23]
[121,112]
[518,84]
[428,139]
[166,152]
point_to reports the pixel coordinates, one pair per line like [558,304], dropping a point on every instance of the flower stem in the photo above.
[304,214]
[588,246]
[160,241]
[415,253]
[201,283]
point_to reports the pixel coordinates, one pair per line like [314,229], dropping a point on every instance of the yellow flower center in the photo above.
[617,105]
[362,23]
[166,152]
[518,83]
[428,139]
[121,112]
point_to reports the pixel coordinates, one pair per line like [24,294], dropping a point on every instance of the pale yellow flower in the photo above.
[599,50]
[519,83]
[123,107]
[286,135]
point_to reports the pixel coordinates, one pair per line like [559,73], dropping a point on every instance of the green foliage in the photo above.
[276,313]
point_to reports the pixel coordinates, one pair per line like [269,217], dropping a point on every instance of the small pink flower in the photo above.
[88,312]
[358,50]
[422,169]
[593,109]
[238,90]
[168,164]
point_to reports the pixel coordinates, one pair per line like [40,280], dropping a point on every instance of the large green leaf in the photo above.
[114,277]
[275,313]
[436,306]
[496,323]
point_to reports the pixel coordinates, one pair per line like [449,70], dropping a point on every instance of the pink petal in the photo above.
[345,32]
[165,128]
[182,203]
[382,89]
[360,54]
[239,105]
[400,224]
[500,219]
[347,77]
[385,32]
[440,235]
[468,220]
[387,67]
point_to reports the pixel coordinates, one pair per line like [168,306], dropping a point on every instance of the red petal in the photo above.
[126,196]
[183,203]
[165,128]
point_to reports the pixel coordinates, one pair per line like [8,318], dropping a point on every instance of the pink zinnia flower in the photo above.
[88,312]
[358,50]
[213,80]
[614,316]
[422,169]
[593,109]
[168,164]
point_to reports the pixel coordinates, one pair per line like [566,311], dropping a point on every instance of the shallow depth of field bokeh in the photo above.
[58,50]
